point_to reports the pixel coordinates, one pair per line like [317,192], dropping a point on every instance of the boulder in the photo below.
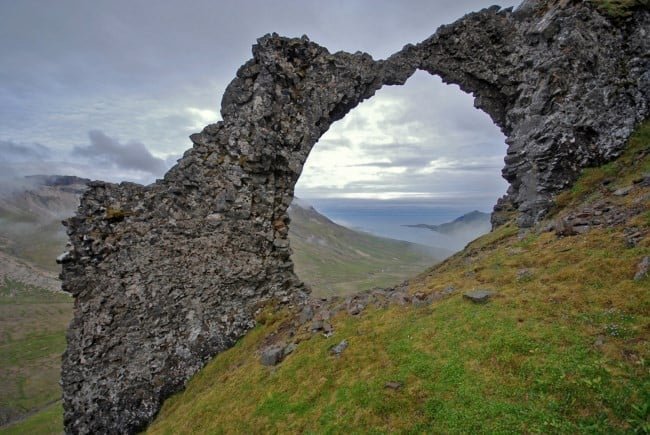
[479,296]
[339,348]
[642,269]
[272,355]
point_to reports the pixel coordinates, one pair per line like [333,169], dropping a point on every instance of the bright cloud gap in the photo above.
[422,141]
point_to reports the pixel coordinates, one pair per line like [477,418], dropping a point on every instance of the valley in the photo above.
[34,313]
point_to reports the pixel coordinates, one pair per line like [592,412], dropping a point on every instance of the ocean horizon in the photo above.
[387,218]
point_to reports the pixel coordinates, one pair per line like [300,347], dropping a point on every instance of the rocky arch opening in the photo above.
[396,167]
[208,243]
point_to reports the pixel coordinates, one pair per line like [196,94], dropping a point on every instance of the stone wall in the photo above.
[166,276]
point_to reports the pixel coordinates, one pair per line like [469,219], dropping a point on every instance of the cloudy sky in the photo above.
[111,89]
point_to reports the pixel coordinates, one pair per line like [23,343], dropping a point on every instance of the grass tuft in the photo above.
[620,8]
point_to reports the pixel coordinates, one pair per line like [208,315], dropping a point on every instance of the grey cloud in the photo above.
[132,155]
[15,152]
[104,158]
[431,105]
[90,65]
[170,53]
[330,144]
[399,162]
[472,187]
[172,160]
[488,165]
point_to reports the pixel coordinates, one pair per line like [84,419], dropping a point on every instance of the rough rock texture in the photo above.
[166,276]
[479,296]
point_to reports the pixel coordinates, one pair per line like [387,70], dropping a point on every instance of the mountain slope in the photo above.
[33,321]
[34,317]
[465,228]
[31,214]
[331,258]
[561,347]
[336,260]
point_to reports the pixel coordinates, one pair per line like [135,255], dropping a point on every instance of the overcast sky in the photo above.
[111,89]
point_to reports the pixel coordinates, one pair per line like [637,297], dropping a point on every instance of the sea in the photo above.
[387,218]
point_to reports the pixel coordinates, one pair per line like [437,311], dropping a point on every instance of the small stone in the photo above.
[420,299]
[419,296]
[448,290]
[306,314]
[524,274]
[289,349]
[642,269]
[479,296]
[355,308]
[581,229]
[622,191]
[317,325]
[323,315]
[400,298]
[339,348]
[599,341]
[393,385]
[564,228]
[272,355]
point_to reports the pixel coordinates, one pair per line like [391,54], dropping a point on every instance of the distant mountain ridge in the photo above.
[31,210]
[57,180]
[466,227]
[335,259]
[330,257]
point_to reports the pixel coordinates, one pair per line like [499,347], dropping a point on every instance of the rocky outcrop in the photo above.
[166,276]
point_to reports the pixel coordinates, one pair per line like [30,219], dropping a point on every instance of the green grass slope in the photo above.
[33,321]
[335,260]
[563,346]
[32,338]
[30,220]
[48,421]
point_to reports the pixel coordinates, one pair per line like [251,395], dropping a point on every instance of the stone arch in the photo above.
[384,151]
[166,276]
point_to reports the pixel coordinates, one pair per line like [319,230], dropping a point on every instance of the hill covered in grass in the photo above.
[335,260]
[562,346]
[464,228]
[31,210]
[33,317]
[33,323]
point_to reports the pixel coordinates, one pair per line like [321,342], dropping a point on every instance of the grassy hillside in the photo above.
[30,220]
[39,244]
[33,321]
[335,260]
[32,325]
[562,347]
[620,8]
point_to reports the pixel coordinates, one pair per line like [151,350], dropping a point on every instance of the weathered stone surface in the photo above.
[479,296]
[622,191]
[393,385]
[166,276]
[642,269]
[272,356]
[602,213]
[339,348]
